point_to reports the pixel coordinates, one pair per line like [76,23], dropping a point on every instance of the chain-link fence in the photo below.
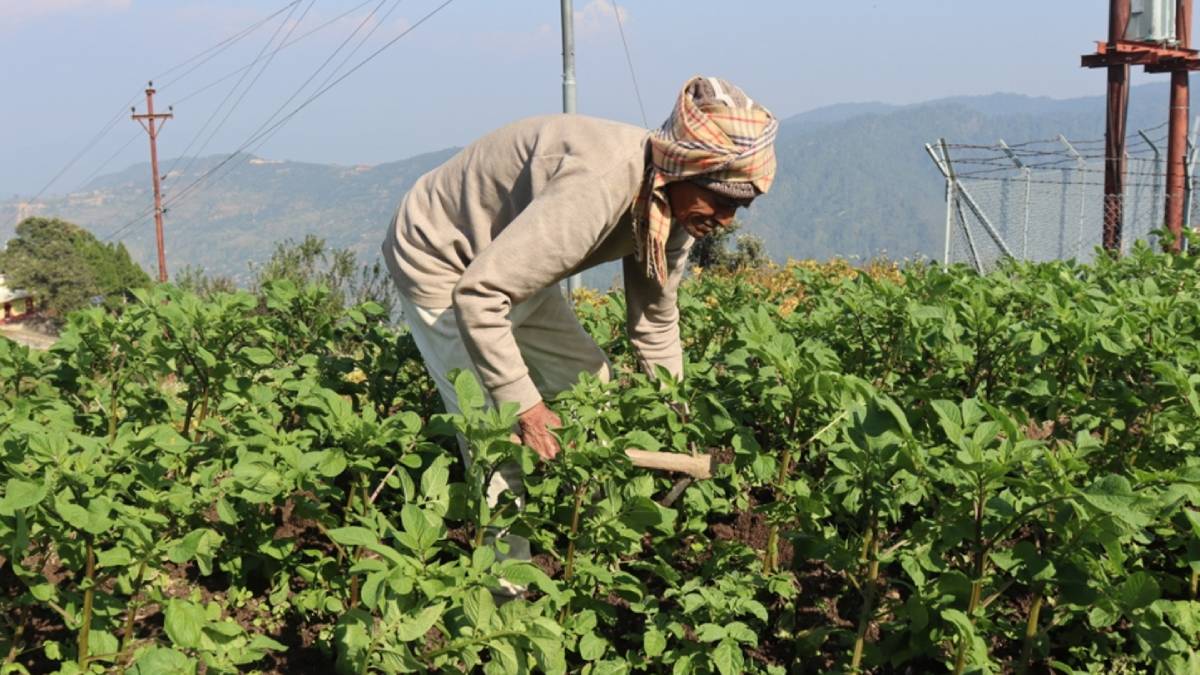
[1044,200]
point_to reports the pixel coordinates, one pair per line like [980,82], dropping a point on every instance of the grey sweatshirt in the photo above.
[519,210]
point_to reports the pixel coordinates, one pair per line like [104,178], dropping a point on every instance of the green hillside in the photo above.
[854,180]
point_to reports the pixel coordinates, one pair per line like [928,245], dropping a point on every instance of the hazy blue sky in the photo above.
[70,66]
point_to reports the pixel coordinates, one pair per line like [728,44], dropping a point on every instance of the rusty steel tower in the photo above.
[1155,34]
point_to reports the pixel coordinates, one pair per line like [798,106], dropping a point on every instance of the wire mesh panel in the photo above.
[1044,200]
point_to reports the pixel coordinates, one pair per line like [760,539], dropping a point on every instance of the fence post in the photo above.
[1026,172]
[950,197]
[1158,173]
[1082,168]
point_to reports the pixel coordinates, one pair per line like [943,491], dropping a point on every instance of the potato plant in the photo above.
[919,470]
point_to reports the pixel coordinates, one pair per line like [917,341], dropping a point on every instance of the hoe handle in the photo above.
[696,466]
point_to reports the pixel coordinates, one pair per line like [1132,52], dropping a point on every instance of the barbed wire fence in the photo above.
[1043,200]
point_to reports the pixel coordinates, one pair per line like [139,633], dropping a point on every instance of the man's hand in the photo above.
[536,424]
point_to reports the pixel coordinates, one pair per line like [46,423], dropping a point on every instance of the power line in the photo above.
[90,144]
[85,181]
[220,46]
[330,58]
[250,65]
[286,118]
[235,88]
[629,59]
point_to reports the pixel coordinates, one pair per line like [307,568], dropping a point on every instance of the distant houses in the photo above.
[16,302]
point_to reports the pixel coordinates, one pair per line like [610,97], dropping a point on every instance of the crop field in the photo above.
[919,471]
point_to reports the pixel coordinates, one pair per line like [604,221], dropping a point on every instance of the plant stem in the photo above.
[1031,630]
[355,581]
[771,556]
[960,660]
[871,556]
[88,598]
[569,569]
[131,613]
[112,412]
[454,646]
[15,649]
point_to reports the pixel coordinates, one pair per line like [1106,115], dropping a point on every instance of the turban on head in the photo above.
[716,136]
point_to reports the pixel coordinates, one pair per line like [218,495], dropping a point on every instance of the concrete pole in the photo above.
[568,93]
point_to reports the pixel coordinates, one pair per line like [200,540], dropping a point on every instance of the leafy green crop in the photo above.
[921,470]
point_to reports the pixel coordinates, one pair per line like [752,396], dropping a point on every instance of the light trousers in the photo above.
[555,348]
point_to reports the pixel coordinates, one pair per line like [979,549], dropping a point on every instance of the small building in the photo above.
[16,302]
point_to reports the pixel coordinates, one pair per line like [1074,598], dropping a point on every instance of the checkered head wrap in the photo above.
[718,137]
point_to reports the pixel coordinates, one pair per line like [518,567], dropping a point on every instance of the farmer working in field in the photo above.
[479,245]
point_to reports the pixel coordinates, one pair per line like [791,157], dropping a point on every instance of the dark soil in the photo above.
[304,655]
[751,528]
[548,564]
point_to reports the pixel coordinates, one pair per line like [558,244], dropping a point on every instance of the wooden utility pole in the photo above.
[147,121]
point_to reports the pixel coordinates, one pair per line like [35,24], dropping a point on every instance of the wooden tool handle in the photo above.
[696,466]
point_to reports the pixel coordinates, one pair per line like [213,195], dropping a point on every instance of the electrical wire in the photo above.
[266,47]
[330,58]
[86,148]
[93,174]
[285,119]
[629,59]
[226,76]
[108,127]
[220,47]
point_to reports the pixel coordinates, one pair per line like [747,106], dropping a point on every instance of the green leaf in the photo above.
[654,642]
[641,513]
[114,557]
[1103,615]
[728,658]
[163,661]
[505,655]
[480,608]
[950,419]
[353,536]
[741,632]
[710,632]
[1193,518]
[226,512]
[527,574]
[466,388]
[1114,495]
[415,627]
[258,356]
[19,494]
[592,646]
[184,622]
[962,624]
[1138,591]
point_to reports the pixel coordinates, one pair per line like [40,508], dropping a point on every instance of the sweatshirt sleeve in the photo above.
[540,247]
[652,312]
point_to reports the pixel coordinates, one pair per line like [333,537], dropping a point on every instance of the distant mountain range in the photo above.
[854,180]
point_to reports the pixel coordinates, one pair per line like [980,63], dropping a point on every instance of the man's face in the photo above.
[700,210]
